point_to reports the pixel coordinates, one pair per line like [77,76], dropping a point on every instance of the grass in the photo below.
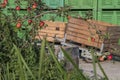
[46,67]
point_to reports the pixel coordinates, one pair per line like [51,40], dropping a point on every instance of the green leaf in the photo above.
[94,59]
[8,73]
[17,52]
[3,22]
[102,70]
[15,29]
[54,58]
[42,52]
[21,60]
[29,28]
[94,62]
[21,34]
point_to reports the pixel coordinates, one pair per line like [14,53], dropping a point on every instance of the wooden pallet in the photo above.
[81,31]
[52,31]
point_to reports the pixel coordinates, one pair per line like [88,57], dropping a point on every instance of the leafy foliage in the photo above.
[20,57]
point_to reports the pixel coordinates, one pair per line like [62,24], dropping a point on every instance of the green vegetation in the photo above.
[22,60]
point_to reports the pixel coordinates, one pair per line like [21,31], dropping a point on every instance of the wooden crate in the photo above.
[82,31]
[52,31]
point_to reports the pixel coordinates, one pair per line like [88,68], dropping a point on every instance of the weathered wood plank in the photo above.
[84,32]
[51,39]
[56,24]
[83,36]
[51,35]
[80,30]
[84,41]
[86,28]
[98,24]
[50,31]
[54,28]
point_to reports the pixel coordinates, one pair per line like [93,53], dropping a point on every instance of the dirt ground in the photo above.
[111,68]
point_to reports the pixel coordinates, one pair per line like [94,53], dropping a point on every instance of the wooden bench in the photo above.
[92,33]
[52,31]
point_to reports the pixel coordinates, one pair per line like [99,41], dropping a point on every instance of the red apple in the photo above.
[109,57]
[18,25]
[68,17]
[92,39]
[3,5]
[17,8]
[28,8]
[34,6]
[41,23]
[5,1]
[102,58]
[29,21]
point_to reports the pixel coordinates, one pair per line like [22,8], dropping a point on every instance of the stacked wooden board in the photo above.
[92,33]
[52,31]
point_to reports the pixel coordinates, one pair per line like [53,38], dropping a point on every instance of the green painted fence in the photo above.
[83,14]
[52,16]
[13,3]
[104,10]
[81,4]
[109,4]
[54,3]
[109,16]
